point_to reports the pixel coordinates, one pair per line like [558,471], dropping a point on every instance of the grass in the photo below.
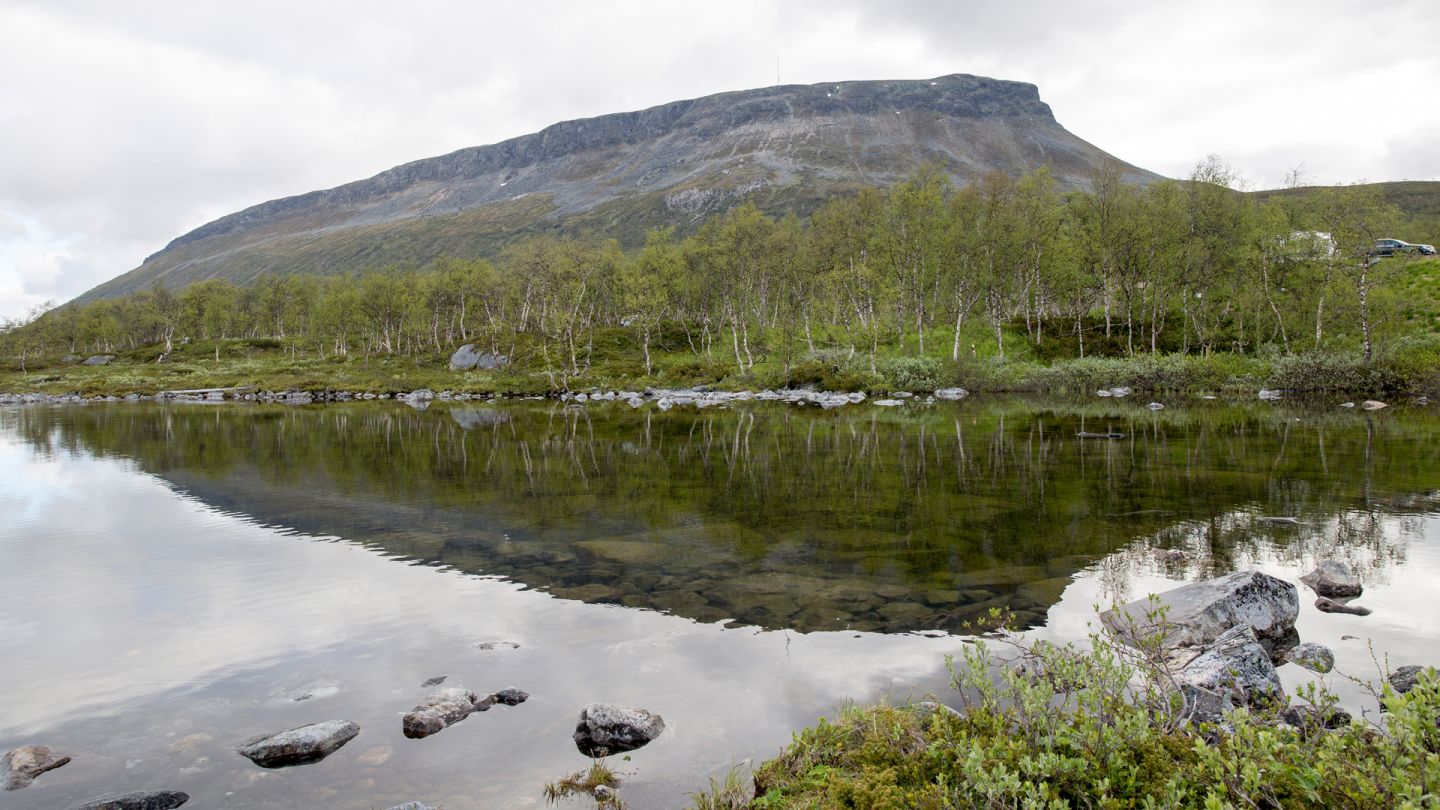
[598,782]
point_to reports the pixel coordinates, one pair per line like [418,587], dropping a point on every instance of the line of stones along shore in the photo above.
[664,398]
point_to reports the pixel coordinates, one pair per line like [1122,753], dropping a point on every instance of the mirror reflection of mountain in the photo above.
[860,518]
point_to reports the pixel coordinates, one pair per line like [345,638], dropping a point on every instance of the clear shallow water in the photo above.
[172,578]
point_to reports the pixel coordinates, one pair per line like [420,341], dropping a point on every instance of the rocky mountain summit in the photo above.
[786,148]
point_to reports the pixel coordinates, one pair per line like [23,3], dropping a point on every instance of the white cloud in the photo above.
[128,124]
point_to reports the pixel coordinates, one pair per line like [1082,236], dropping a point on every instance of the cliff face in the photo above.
[787,148]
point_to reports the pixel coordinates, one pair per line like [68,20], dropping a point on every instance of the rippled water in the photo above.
[172,579]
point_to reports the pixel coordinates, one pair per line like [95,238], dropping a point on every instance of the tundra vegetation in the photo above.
[1008,283]
[1101,725]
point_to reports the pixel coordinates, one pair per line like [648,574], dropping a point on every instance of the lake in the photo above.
[177,579]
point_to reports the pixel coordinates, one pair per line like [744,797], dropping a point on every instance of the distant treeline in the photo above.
[919,268]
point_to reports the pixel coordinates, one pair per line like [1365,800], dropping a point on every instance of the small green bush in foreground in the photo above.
[1061,727]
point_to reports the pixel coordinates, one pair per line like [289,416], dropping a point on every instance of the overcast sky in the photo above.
[123,125]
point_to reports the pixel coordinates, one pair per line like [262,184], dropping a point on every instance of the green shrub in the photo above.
[914,373]
[1059,727]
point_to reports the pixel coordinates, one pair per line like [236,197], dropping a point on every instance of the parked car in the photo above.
[1398,247]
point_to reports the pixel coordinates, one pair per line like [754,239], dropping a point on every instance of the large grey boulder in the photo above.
[1334,579]
[19,767]
[299,745]
[140,800]
[951,393]
[467,357]
[441,710]
[98,360]
[607,728]
[1199,613]
[1235,666]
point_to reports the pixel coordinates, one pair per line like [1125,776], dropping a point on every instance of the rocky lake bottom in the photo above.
[178,579]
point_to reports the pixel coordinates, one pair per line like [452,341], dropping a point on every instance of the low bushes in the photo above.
[1061,727]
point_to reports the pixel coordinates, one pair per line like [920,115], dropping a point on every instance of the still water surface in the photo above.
[174,580]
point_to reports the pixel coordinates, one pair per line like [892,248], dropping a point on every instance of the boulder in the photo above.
[1312,656]
[71,359]
[441,710]
[1373,405]
[1201,612]
[1405,678]
[140,800]
[608,728]
[435,681]
[951,393]
[98,360]
[1270,395]
[412,806]
[1236,666]
[1327,605]
[309,743]
[19,767]
[1334,579]
[1310,719]
[889,403]
[1156,406]
[467,357]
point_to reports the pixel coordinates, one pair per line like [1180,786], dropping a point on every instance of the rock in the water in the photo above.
[511,696]
[927,709]
[19,767]
[1279,520]
[1156,406]
[467,357]
[142,800]
[1327,605]
[1309,718]
[1312,656]
[435,681]
[1405,678]
[1200,612]
[1269,395]
[412,806]
[1334,579]
[951,393]
[607,728]
[1373,405]
[497,645]
[442,709]
[1234,665]
[98,360]
[299,745]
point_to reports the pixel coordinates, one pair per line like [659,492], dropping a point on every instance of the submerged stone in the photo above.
[140,800]
[19,767]
[309,743]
